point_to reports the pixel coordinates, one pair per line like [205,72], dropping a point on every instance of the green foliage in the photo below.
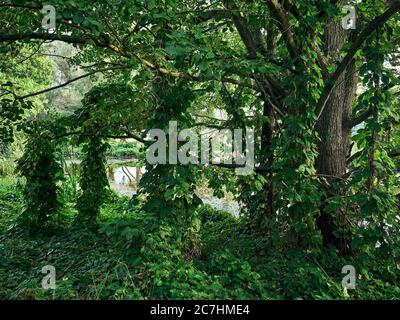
[123,150]
[135,257]
[93,181]
[259,64]
[20,76]
[7,166]
[237,276]
[42,173]
[166,272]
[11,202]
[70,185]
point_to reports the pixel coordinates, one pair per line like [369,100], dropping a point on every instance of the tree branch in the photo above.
[105,44]
[127,136]
[209,14]
[284,27]
[251,38]
[11,5]
[358,119]
[70,81]
[356,45]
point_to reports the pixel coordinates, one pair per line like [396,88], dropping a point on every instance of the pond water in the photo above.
[124,177]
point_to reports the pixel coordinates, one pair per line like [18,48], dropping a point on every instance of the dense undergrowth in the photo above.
[130,256]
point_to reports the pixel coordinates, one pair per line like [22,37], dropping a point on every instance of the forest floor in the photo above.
[124,258]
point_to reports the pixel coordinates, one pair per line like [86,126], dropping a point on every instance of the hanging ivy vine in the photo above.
[42,171]
[93,180]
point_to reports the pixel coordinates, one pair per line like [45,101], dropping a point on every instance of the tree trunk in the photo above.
[267,152]
[334,144]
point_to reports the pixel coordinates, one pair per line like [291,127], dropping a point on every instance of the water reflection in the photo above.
[124,178]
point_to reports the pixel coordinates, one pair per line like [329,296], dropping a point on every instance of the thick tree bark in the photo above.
[266,143]
[334,143]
